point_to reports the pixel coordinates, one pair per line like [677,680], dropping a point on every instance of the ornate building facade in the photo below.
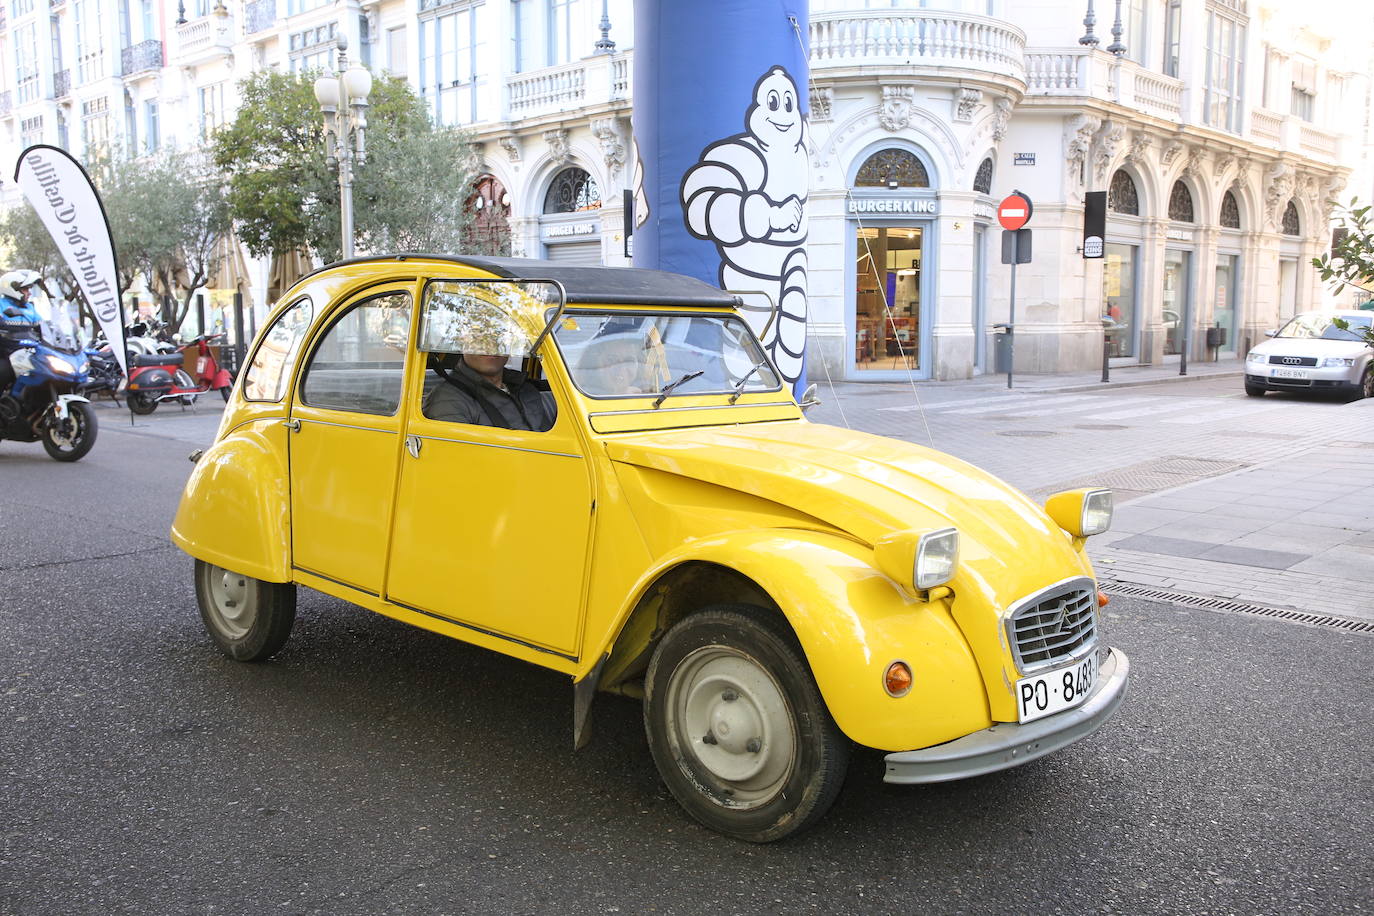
[1220,130]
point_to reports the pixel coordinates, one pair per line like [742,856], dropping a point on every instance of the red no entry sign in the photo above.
[1014,212]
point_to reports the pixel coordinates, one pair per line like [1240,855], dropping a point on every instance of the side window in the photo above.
[358,366]
[270,369]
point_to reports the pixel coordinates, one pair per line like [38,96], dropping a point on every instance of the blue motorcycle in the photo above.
[44,404]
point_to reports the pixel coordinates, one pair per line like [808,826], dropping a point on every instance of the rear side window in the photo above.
[270,370]
[359,365]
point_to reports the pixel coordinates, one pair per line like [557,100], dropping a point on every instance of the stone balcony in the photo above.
[204,39]
[961,45]
[144,57]
[1289,132]
[1084,72]
[594,82]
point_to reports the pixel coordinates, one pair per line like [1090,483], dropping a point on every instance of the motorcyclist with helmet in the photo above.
[17,313]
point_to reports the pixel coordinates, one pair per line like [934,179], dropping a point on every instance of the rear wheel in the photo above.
[224,392]
[72,438]
[140,403]
[737,725]
[249,619]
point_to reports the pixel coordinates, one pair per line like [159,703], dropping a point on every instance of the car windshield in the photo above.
[620,354]
[1314,325]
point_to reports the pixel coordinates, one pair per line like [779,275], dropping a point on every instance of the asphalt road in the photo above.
[375,768]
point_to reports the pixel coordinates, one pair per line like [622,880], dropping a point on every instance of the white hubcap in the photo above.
[730,716]
[233,601]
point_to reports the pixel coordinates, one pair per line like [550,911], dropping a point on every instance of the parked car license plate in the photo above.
[1290,373]
[1055,691]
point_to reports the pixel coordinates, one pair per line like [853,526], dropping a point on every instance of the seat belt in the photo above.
[491,410]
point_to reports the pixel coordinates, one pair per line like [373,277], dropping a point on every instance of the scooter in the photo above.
[154,378]
[43,403]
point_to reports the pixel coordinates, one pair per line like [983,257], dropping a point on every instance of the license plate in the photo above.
[1055,691]
[1290,373]
[201,365]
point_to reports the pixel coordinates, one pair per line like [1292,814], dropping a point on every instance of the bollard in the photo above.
[1106,354]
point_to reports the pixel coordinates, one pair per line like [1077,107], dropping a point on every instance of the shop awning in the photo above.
[287,268]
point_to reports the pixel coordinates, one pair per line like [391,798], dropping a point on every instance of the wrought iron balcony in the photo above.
[259,15]
[146,55]
[61,84]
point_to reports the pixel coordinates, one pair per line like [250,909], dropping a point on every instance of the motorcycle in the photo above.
[43,403]
[154,378]
[104,373]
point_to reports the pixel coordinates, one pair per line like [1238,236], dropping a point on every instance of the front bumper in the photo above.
[1009,744]
[1329,378]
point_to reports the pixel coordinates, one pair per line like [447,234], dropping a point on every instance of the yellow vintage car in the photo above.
[599,471]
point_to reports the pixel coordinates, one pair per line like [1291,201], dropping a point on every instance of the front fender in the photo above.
[59,407]
[235,509]
[852,622]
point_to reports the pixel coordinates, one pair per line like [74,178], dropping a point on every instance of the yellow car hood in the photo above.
[870,486]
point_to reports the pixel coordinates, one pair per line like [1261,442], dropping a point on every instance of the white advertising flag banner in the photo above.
[60,190]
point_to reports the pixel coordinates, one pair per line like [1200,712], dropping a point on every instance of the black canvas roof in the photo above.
[609,285]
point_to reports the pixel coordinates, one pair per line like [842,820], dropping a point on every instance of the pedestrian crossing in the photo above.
[1106,408]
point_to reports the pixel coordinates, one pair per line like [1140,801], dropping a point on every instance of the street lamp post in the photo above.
[343,99]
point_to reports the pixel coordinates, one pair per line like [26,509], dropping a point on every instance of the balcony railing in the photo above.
[1317,141]
[259,15]
[928,38]
[1099,75]
[62,84]
[203,38]
[146,55]
[1266,125]
[595,81]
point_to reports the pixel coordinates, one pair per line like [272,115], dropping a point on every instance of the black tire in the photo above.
[224,392]
[71,439]
[1366,386]
[141,403]
[249,619]
[1255,391]
[778,770]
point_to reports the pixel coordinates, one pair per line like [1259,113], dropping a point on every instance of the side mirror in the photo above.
[808,398]
[1271,332]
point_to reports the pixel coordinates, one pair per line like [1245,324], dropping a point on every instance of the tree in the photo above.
[1351,259]
[167,214]
[409,194]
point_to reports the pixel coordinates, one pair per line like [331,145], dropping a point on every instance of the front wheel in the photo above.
[249,619]
[1255,391]
[737,725]
[141,403]
[1366,387]
[72,438]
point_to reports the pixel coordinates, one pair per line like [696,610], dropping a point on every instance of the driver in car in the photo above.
[481,390]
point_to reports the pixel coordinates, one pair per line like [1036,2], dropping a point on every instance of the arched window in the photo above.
[1181,203]
[1122,196]
[983,180]
[572,190]
[1230,211]
[892,168]
[1290,220]
[489,231]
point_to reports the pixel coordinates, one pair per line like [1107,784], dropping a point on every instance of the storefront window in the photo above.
[1176,310]
[887,302]
[1119,305]
[1224,298]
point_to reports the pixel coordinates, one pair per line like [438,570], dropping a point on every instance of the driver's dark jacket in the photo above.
[521,406]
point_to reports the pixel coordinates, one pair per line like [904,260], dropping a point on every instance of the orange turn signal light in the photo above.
[897,679]
[1102,599]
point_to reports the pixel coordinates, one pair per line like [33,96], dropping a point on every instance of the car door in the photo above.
[346,439]
[491,526]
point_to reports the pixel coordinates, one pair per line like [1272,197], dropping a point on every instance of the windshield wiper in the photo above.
[739,386]
[668,388]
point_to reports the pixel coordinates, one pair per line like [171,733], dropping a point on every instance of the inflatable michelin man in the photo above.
[747,194]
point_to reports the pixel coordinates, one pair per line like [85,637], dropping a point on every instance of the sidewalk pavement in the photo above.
[1286,522]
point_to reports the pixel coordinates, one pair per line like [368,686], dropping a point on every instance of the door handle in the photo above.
[293,425]
[413,446]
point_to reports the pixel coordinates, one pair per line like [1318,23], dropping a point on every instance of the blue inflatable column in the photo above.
[723,175]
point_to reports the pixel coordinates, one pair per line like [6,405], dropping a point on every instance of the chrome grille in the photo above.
[1292,360]
[1055,626]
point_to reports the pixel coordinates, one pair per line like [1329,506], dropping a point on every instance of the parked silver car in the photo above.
[1310,353]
